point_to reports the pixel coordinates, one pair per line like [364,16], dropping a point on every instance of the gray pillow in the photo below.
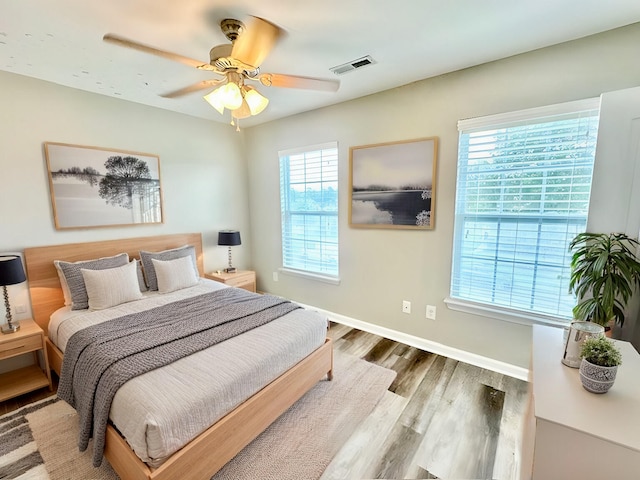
[140,273]
[75,281]
[147,261]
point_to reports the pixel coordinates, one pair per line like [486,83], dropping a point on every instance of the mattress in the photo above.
[161,411]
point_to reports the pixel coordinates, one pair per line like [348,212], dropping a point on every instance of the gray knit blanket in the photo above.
[101,358]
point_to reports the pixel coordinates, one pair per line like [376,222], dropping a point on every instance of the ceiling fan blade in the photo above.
[255,43]
[292,81]
[194,88]
[125,42]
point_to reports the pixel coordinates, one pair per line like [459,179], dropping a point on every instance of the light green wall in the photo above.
[203,172]
[380,268]
[212,180]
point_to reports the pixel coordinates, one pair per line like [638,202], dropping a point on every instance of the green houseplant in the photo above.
[601,351]
[604,272]
[599,366]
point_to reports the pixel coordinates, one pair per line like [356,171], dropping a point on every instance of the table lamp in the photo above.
[11,273]
[230,238]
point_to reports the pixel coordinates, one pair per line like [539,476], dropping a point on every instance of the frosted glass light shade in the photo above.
[231,96]
[257,103]
[215,100]
[242,112]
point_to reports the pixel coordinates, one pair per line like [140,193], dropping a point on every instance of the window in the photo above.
[309,204]
[524,181]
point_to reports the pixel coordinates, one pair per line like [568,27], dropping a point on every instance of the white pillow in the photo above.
[75,281]
[149,270]
[112,286]
[175,274]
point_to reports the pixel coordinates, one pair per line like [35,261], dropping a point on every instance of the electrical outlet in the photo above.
[431,312]
[406,306]
[21,308]
[275,276]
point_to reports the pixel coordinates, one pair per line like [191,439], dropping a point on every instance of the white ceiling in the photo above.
[61,41]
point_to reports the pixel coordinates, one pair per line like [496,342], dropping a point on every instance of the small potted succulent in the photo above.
[600,360]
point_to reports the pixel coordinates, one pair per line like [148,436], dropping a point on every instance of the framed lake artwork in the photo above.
[393,185]
[101,187]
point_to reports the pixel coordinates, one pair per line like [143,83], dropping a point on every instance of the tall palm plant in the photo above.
[604,272]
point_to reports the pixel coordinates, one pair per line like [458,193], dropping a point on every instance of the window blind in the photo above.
[309,207]
[522,194]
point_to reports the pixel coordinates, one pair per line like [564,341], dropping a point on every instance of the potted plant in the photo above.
[604,272]
[600,360]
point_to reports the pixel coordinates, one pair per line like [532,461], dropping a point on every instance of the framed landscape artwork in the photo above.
[99,187]
[392,185]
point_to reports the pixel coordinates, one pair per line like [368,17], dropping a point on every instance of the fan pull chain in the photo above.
[236,123]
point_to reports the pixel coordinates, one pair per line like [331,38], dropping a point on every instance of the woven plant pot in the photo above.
[595,378]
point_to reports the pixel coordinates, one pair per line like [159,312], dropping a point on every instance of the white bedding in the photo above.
[162,410]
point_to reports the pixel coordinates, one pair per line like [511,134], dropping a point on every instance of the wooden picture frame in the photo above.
[100,187]
[393,185]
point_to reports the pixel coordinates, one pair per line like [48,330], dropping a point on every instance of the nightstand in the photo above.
[30,338]
[242,279]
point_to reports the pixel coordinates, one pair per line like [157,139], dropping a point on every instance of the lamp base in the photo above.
[230,270]
[13,328]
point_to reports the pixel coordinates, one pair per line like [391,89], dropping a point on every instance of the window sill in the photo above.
[504,314]
[310,276]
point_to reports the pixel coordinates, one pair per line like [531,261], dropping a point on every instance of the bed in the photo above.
[205,454]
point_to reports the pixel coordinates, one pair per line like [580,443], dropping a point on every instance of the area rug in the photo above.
[39,441]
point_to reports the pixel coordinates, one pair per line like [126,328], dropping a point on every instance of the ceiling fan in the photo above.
[236,64]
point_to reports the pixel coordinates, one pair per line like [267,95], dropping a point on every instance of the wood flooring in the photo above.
[440,418]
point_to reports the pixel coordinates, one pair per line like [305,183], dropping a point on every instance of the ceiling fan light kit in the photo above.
[242,100]
[236,63]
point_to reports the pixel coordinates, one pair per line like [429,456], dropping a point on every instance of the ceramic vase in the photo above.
[595,378]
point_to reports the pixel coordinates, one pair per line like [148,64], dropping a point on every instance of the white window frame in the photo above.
[493,122]
[291,268]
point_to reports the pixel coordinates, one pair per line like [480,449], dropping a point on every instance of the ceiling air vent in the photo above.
[352,65]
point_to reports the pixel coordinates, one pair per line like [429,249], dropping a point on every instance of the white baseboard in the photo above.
[427,345]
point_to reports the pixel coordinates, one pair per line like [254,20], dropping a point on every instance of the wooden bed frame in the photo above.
[212,449]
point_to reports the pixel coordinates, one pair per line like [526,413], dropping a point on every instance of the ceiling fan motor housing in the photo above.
[220,51]
[220,55]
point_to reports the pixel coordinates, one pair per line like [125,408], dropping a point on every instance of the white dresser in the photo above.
[571,433]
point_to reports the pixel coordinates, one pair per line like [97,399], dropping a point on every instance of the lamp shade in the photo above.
[230,95]
[11,271]
[257,103]
[215,100]
[243,112]
[229,238]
